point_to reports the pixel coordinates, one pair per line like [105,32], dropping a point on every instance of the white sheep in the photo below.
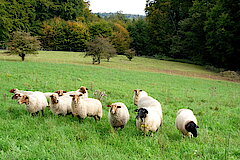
[34,103]
[186,122]
[138,94]
[118,115]
[61,104]
[147,120]
[17,91]
[83,107]
[142,100]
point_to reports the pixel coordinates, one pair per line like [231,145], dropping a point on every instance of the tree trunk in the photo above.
[22,56]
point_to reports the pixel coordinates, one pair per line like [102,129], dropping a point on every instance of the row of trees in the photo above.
[201,31]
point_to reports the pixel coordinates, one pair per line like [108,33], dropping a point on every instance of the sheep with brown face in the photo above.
[118,115]
[84,91]
[61,105]
[86,107]
[34,103]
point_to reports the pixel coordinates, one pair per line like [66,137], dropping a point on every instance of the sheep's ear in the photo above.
[136,110]
[80,95]
[56,92]
[109,106]
[72,95]
[64,91]
[140,90]
[26,97]
[86,88]
[119,107]
[197,126]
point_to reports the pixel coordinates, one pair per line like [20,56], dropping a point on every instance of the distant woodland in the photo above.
[205,32]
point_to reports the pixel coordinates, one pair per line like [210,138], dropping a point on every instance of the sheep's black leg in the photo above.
[115,129]
[99,118]
[32,114]
[37,113]
[79,118]
[42,112]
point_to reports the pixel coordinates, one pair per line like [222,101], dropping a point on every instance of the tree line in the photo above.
[204,32]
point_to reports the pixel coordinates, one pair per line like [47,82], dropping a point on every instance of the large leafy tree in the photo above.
[23,43]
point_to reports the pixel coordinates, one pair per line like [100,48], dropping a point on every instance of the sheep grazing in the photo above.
[83,107]
[34,103]
[186,122]
[118,115]
[84,91]
[61,105]
[60,92]
[148,120]
[142,100]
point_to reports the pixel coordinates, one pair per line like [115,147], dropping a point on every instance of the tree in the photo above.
[23,43]
[100,48]
[130,53]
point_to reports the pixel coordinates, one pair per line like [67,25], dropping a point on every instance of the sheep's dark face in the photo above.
[24,99]
[16,96]
[142,113]
[75,98]
[13,90]
[192,127]
[54,98]
[60,92]
[83,89]
[114,108]
[136,94]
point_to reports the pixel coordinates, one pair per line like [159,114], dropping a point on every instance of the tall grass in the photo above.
[215,103]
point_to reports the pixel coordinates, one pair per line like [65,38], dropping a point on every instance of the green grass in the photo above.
[216,105]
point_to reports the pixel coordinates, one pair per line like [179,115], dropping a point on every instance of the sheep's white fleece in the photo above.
[121,117]
[63,106]
[151,123]
[185,116]
[37,102]
[87,107]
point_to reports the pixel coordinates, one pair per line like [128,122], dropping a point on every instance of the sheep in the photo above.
[34,103]
[186,122]
[138,94]
[83,107]
[16,91]
[84,91]
[118,115]
[147,120]
[61,104]
[142,100]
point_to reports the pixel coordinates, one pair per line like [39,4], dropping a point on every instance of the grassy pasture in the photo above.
[215,103]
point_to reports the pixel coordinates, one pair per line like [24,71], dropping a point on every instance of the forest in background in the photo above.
[204,32]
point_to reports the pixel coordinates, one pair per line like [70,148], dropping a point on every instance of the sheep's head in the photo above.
[83,89]
[192,127]
[114,108]
[13,90]
[136,94]
[16,96]
[54,98]
[23,99]
[142,113]
[76,97]
[60,92]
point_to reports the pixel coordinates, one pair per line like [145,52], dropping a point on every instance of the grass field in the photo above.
[216,104]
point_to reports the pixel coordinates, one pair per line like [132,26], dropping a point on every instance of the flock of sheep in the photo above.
[149,112]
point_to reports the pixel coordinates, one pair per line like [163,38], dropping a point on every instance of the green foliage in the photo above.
[130,53]
[100,48]
[58,34]
[23,43]
[100,28]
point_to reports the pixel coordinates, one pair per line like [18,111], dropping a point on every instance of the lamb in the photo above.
[148,120]
[34,103]
[142,100]
[186,122]
[118,115]
[61,104]
[83,107]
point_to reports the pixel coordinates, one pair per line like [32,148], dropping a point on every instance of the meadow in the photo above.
[216,104]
